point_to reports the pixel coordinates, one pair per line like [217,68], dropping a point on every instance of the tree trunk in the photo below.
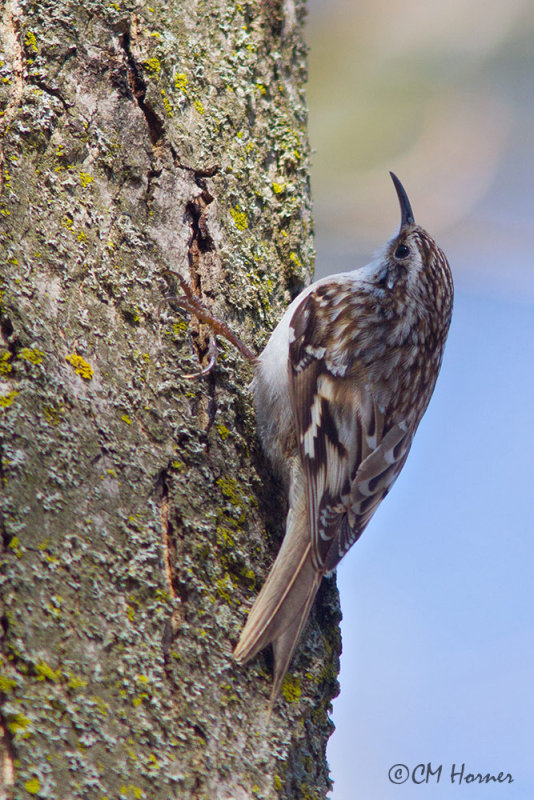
[139,518]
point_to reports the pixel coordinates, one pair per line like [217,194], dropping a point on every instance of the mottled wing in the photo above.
[372,481]
[350,455]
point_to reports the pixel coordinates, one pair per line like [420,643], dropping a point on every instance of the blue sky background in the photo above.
[437,596]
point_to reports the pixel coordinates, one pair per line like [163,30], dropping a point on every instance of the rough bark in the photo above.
[138,515]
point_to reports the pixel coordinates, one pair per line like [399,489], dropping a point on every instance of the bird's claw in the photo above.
[211,363]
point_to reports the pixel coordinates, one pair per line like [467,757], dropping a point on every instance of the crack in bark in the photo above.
[156,128]
[7,768]
[200,243]
[198,172]
[201,240]
[53,92]
[177,589]
[7,330]
[166,531]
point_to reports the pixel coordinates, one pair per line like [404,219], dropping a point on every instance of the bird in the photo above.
[339,391]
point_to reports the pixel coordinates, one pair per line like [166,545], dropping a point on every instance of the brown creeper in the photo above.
[340,389]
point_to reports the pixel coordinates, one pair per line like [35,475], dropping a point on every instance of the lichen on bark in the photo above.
[138,515]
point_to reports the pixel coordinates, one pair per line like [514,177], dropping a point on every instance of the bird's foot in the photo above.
[189,302]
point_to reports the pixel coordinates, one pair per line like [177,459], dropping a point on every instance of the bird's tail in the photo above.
[282,607]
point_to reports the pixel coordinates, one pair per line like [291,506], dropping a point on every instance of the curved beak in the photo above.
[405,207]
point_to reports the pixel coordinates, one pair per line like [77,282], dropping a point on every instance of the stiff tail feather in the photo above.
[282,607]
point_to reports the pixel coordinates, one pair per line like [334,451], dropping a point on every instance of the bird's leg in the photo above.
[191,303]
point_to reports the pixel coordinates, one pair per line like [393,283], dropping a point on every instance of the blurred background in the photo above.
[438,595]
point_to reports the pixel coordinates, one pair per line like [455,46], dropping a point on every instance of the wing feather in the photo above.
[350,455]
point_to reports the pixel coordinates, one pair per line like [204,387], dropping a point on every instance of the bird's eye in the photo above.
[402,251]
